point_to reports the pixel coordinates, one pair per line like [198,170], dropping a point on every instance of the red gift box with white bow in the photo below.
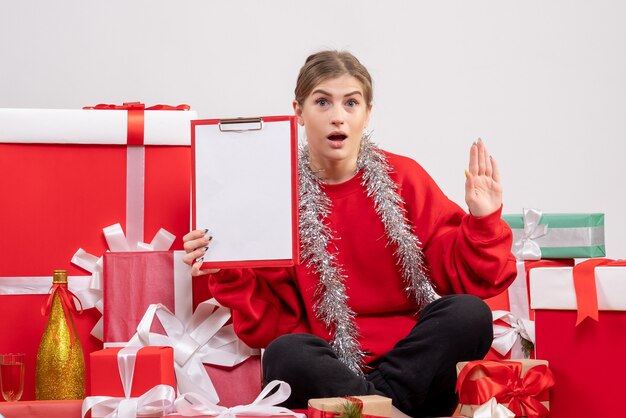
[148,301]
[580,316]
[66,175]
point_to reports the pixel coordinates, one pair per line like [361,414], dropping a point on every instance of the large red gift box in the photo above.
[66,175]
[153,366]
[587,358]
[516,299]
[134,281]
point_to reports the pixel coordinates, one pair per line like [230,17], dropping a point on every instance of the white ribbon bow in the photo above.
[158,400]
[193,404]
[492,409]
[526,248]
[203,339]
[507,339]
[116,241]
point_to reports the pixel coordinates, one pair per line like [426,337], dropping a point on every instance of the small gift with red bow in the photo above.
[369,406]
[523,386]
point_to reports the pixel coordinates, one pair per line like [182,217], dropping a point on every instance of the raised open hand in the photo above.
[483,191]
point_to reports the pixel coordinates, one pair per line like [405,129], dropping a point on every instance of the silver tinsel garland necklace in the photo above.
[331,306]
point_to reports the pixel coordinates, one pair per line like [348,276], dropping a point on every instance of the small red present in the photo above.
[522,386]
[370,406]
[152,366]
[143,286]
[585,354]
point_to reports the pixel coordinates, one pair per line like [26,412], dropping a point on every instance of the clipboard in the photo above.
[245,190]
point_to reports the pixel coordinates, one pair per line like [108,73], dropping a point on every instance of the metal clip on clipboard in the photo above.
[240,124]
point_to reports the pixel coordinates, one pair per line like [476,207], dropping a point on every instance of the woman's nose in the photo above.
[337,117]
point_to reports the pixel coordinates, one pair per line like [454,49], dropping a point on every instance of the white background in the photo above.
[542,82]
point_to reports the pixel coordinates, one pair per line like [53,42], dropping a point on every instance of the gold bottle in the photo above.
[60,361]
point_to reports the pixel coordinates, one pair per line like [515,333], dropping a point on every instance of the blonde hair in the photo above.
[330,64]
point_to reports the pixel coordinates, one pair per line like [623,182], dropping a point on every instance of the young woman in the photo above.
[379,239]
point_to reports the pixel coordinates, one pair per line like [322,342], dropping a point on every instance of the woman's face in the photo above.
[334,116]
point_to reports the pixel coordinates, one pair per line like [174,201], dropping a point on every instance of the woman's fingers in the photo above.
[488,166]
[481,157]
[196,239]
[496,170]
[197,271]
[191,257]
[473,160]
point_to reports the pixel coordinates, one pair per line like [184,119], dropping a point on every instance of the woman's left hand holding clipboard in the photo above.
[196,244]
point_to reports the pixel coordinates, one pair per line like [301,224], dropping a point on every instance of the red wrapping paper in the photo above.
[501,301]
[64,194]
[587,361]
[133,281]
[41,409]
[153,366]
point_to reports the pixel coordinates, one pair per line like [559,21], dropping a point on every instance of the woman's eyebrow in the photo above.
[324,92]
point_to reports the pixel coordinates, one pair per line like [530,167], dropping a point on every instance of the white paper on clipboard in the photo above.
[243,191]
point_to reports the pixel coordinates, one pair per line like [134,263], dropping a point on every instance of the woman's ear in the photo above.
[298,112]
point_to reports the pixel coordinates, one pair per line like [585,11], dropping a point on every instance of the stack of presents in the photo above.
[104,193]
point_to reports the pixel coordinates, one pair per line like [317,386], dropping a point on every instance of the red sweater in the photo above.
[464,254]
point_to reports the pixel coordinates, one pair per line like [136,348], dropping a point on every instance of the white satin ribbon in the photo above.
[203,339]
[525,247]
[135,193]
[38,285]
[158,400]
[193,404]
[519,305]
[492,409]
[117,242]
[507,339]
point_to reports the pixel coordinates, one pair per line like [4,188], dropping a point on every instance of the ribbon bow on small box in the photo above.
[193,404]
[158,400]
[116,241]
[522,386]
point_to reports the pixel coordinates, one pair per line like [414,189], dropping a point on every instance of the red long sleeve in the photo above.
[464,254]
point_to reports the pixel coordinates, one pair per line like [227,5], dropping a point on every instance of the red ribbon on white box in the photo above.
[92,296]
[158,400]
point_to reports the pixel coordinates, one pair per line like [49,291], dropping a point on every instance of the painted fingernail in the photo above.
[206,248]
[199,259]
[206,230]
[466,174]
[210,238]
[480,140]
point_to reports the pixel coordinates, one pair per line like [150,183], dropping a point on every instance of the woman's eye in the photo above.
[352,103]
[322,102]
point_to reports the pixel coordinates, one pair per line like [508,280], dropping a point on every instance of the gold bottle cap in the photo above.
[59,277]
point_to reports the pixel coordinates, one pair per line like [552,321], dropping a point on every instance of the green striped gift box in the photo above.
[565,235]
